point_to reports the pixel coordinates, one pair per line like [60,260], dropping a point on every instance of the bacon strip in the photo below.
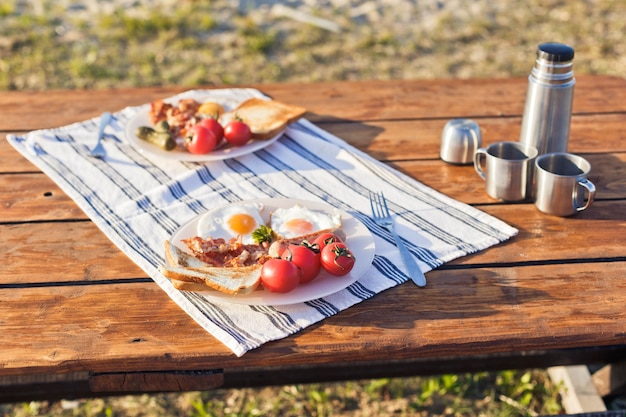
[222,253]
[180,117]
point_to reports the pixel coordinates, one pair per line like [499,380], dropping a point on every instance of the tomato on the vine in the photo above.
[325,239]
[280,275]
[337,259]
[200,140]
[237,133]
[306,257]
[214,126]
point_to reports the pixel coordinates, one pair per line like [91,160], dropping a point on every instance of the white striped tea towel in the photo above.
[139,200]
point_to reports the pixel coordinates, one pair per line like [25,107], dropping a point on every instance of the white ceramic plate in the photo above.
[142,118]
[358,238]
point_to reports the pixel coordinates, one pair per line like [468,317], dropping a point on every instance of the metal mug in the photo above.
[507,171]
[459,140]
[562,184]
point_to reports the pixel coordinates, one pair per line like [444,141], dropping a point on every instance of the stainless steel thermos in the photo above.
[548,107]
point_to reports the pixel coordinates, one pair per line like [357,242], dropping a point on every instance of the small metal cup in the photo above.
[507,170]
[460,140]
[562,184]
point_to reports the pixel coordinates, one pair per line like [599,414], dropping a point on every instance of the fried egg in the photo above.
[232,221]
[299,220]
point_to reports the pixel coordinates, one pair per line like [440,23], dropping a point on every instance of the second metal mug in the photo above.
[508,170]
[562,184]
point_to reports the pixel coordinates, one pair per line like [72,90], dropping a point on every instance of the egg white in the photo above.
[299,220]
[232,221]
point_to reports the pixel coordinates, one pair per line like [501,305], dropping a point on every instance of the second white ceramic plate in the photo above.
[142,118]
[358,238]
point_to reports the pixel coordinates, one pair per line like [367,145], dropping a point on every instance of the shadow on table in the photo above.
[357,133]
[454,297]
[608,174]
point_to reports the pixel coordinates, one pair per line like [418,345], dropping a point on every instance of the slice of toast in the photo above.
[174,256]
[195,286]
[183,267]
[190,286]
[266,118]
[240,280]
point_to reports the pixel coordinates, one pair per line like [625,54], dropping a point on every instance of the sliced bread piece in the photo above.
[239,280]
[190,286]
[195,286]
[183,267]
[174,256]
[266,118]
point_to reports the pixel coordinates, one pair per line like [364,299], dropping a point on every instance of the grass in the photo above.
[211,43]
[501,394]
[42,46]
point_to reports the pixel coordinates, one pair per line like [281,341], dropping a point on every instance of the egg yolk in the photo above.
[299,226]
[241,223]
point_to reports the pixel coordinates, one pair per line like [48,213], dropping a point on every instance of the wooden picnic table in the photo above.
[555,294]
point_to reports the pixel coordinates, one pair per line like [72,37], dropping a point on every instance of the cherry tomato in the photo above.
[337,259]
[200,140]
[307,258]
[237,133]
[280,275]
[214,126]
[325,239]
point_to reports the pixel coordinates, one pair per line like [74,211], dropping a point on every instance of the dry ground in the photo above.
[97,44]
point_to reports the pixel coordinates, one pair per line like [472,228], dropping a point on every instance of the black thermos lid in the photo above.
[555,52]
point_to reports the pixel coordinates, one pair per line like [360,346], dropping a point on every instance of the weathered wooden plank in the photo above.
[36,110]
[39,253]
[141,382]
[608,173]
[414,139]
[34,197]
[352,100]
[592,234]
[578,394]
[610,380]
[43,253]
[46,387]
[463,312]
[11,160]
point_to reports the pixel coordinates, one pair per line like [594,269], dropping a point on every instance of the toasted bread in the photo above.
[195,286]
[174,256]
[266,118]
[239,280]
[190,286]
[184,267]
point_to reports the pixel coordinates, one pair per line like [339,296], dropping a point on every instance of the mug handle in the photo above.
[591,191]
[480,155]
